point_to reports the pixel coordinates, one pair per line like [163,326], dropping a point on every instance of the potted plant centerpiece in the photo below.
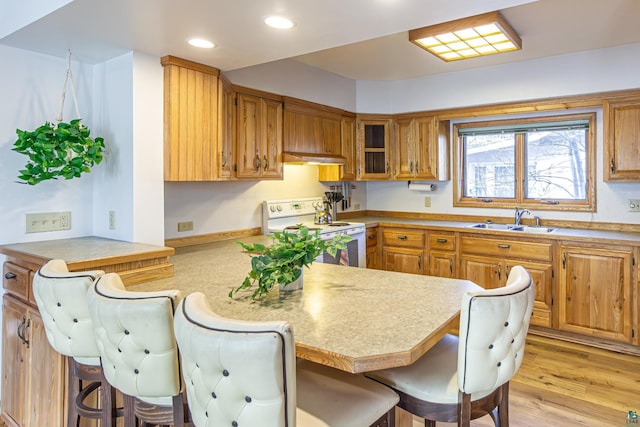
[282,262]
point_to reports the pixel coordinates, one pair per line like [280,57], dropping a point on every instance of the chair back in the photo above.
[235,371]
[493,331]
[134,331]
[61,297]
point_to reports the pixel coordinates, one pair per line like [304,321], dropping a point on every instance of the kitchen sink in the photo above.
[492,226]
[511,227]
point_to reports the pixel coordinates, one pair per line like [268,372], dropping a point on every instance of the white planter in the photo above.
[293,286]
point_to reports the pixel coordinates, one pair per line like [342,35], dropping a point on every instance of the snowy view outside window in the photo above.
[555,165]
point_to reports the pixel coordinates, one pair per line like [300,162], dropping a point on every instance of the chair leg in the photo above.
[178,410]
[503,406]
[429,423]
[464,411]
[73,419]
[130,419]
[108,396]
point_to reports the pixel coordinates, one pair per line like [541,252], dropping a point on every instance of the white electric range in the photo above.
[279,215]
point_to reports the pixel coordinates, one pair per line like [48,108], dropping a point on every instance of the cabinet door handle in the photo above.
[24,332]
[266,163]
[504,246]
[564,260]
[387,167]
[612,165]
[257,163]
[442,240]
[10,276]
[499,272]
[402,237]
[224,160]
[451,266]
[411,167]
[20,329]
[419,262]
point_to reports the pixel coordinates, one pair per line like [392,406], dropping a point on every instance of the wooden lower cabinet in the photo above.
[403,260]
[595,291]
[32,372]
[443,260]
[372,248]
[403,250]
[488,261]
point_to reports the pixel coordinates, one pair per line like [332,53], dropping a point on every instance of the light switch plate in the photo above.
[48,221]
[185,226]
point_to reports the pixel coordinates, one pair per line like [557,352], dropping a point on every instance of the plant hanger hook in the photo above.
[69,79]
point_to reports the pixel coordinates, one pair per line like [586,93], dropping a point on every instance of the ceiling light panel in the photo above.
[484,34]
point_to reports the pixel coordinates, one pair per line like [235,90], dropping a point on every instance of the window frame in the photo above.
[587,205]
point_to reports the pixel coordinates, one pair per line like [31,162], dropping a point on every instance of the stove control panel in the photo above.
[291,207]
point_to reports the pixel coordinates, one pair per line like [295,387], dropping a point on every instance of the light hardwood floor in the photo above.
[562,384]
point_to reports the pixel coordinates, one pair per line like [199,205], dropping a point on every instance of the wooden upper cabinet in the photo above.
[259,136]
[312,132]
[191,121]
[622,140]
[226,130]
[421,148]
[374,152]
[348,146]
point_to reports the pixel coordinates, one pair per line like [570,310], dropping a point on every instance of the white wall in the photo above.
[298,80]
[31,86]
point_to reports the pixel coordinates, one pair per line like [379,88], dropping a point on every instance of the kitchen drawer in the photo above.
[506,248]
[404,238]
[442,241]
[372,237]
[15,279]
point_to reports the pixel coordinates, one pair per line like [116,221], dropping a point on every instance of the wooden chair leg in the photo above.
[429,423]
[178,410]
[74,388]
[464,411]
[130,419]
[503,407]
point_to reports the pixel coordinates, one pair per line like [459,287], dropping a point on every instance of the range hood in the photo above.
[291,157]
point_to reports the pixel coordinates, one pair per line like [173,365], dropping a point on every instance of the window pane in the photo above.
[556,164]
[489,165]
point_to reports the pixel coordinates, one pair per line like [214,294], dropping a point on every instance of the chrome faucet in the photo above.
[519,214]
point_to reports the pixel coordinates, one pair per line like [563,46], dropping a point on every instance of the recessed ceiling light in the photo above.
[279,22]
[202,43]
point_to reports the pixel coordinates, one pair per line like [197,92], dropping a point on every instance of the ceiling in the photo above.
[357,39]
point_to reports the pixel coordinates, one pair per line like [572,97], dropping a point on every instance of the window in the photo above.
[543,162]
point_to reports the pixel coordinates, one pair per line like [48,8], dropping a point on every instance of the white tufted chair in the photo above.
[61,297]
[464,378]
[244,374]
[137,346]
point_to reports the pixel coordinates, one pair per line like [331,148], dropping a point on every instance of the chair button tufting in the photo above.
[136,371]
[213,394]
[499,364]
[234,424]
[225,373]
[75,320]
[490,346]
[126,332]
[119,351]
[506,323]
[59,305]
[247,399]
[146,351]
[513,340]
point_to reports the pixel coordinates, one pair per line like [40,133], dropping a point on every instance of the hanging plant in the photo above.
[62,150]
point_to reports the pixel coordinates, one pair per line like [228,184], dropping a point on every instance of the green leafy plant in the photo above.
[64,150]
[282,261]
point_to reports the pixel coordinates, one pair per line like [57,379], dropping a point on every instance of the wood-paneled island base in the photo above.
[353,319]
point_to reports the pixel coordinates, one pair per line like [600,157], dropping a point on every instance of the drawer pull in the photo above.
[504,246]
[442,240]
[9,276]
[402,237]
[371,236]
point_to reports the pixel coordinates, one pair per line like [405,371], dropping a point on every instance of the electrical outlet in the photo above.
[634,205]
[427,202]
[185,226]
[356,206]
[112,220]
[48,221]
